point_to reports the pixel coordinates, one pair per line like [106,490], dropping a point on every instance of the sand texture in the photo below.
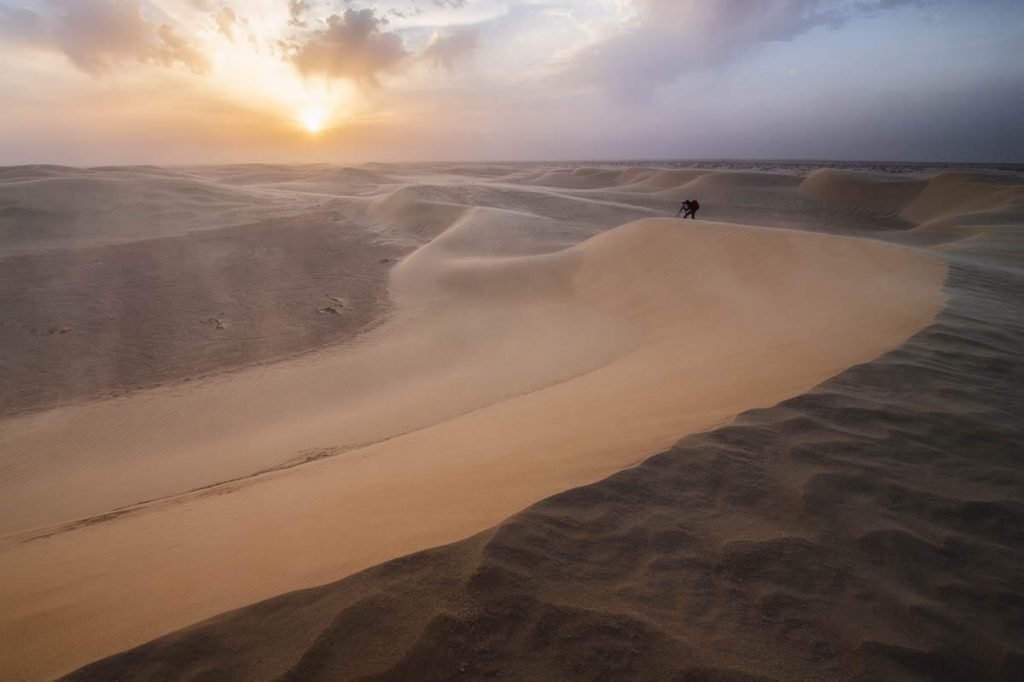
[527,338]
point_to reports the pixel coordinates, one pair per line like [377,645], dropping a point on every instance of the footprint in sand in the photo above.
[218,323]
[337,309]
[50,332]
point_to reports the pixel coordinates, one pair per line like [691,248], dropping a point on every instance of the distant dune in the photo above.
[281,378]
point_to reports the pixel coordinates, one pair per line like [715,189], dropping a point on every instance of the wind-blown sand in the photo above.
[539,339]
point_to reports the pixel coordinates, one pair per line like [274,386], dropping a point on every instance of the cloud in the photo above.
[353,46]
[95,35]
[176,49]
[670,38]
[296,8]
[226,19]
[446,50]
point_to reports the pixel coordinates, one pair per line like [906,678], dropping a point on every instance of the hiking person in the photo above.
[684,207]
[691,210]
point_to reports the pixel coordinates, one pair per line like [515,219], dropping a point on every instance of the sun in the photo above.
[312,120]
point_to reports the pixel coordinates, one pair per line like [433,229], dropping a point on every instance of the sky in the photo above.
[89,82]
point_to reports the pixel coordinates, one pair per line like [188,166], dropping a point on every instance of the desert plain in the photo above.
[512,421]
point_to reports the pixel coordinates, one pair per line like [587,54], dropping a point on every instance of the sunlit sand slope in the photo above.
[513,369]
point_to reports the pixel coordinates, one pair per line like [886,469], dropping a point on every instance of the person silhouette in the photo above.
[684,207]
[691,206]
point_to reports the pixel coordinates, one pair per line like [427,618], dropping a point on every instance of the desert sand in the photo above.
[244,381]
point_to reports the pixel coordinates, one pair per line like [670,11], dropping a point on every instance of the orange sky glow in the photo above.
[203,81]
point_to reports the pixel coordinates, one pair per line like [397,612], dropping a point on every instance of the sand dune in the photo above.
[868,529]
[141,313]
[566,365]
[873,192]
[105,206]
[631,179]
[659,180]
[579,178]
[710,183]
[483,314]
[540,338]
[952,194]
[401,213]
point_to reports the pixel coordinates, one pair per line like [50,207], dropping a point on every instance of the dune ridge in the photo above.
[608,350]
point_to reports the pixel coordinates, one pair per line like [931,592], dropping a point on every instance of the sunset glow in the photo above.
[90,81]
[313,120]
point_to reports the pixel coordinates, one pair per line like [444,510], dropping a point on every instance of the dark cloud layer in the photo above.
[96,35]
[675,37]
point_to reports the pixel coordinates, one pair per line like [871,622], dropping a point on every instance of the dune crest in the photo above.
[514,369]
